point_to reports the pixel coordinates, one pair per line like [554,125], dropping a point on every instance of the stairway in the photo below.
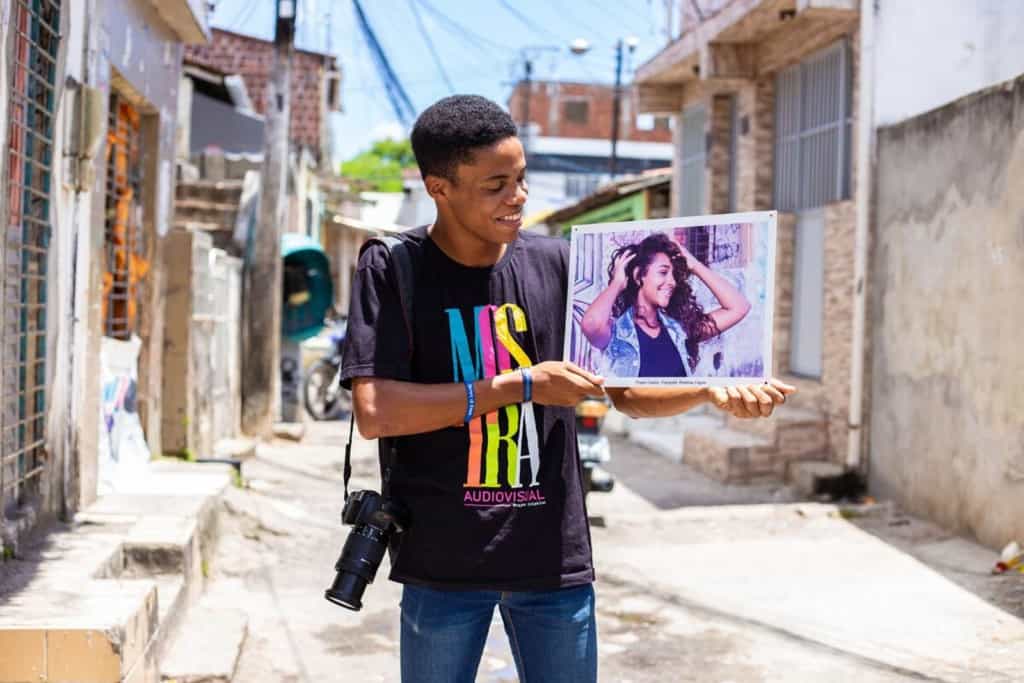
[210,206]
[732,450]
[105,598]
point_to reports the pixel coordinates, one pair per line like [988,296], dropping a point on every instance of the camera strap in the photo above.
[346,473]
[403,267]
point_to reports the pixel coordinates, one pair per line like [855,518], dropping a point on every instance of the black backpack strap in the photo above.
[402,265]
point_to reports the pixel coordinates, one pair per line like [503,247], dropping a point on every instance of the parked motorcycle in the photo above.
[594,447]
[322,392]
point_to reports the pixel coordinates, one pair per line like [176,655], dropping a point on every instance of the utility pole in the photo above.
[261,341]
[524,131]
[616,109]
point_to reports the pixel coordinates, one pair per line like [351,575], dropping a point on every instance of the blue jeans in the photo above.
[553,634]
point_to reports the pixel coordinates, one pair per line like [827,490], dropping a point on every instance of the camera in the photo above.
[373,519]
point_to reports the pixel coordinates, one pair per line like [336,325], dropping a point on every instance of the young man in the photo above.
[480,409]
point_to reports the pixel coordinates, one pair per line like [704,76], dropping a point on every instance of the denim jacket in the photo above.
[621,358]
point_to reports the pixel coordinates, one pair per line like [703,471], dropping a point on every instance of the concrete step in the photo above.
[173,601]
[101,633]
[206,647]
[815,478]
[786,414]
[200,226]
[201,211]
[729,455]
[224,191]
[97,601]
[797,433]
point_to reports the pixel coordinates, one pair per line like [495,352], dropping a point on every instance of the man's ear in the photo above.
[437,187]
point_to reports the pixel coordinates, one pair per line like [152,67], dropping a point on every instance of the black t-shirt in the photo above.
[659,356]
[490,507]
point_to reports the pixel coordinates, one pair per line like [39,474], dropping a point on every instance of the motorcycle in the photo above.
[322,392]
[594,447]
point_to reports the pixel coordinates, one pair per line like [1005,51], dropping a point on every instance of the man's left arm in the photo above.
[746,401]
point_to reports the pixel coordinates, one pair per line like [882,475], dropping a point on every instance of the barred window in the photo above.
[125,261]
[35,34]
[812,130]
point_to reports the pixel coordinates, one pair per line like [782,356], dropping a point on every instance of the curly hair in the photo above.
[448,132]
[682,306]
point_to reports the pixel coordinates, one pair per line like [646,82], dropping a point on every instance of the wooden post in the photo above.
[261,341]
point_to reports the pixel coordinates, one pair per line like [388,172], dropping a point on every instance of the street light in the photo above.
[581,46]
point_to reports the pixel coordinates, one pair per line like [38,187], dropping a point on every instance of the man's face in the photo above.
[488,194]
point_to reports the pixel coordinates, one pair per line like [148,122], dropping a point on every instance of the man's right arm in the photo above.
[386,407]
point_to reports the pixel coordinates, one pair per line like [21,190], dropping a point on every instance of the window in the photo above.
[334,91]
[34,29]
[126,265]
[812,131]
[581,184]
[577,111]
[692,159]
[662,123]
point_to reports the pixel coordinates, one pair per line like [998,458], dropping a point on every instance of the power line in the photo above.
[400,102]
[526,21]
[247,10]
[430,45]
[480,41]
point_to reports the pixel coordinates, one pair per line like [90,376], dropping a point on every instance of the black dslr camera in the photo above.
[373,519]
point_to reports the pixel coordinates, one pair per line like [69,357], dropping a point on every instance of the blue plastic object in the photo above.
[307,288]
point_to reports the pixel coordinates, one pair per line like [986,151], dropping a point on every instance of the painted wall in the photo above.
[947,434]
[931,53]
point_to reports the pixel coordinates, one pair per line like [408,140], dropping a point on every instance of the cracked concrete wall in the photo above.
[947,426]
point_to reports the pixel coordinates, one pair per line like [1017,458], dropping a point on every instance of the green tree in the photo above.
[381,165]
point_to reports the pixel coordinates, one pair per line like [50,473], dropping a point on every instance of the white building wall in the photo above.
[929,53]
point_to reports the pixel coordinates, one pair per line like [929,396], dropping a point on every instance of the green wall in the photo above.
[630,208]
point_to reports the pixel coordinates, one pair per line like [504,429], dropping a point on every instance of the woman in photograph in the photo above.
[647,322]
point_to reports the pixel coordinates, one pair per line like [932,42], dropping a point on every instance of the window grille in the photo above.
[577,111]
[35,33]
[812,131]
[125,262]
[692,161]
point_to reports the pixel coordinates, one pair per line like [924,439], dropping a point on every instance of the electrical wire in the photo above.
[486,44]
[526,21]
[430,46]
[404,109]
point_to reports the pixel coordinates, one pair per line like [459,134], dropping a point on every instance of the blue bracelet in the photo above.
[527,385]
[470,402]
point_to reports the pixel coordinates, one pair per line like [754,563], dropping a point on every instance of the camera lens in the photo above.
[357,566]
[347,591]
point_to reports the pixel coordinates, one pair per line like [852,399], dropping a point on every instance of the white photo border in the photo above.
[767,219]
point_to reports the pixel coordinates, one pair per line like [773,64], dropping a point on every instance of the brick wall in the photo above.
[547,111]
[253,59]
[719,156]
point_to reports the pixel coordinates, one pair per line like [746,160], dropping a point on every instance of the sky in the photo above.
[473,46]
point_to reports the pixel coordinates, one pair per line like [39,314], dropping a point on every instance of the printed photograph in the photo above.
[673,301]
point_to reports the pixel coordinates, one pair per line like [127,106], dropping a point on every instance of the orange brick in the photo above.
[81,656]
[22,656]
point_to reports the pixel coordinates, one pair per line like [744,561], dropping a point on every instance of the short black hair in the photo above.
[448,132]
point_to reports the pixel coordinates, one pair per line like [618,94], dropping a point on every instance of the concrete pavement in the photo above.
[770,591]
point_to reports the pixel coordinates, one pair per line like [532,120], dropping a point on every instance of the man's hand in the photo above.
[560,383]
[753,400]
